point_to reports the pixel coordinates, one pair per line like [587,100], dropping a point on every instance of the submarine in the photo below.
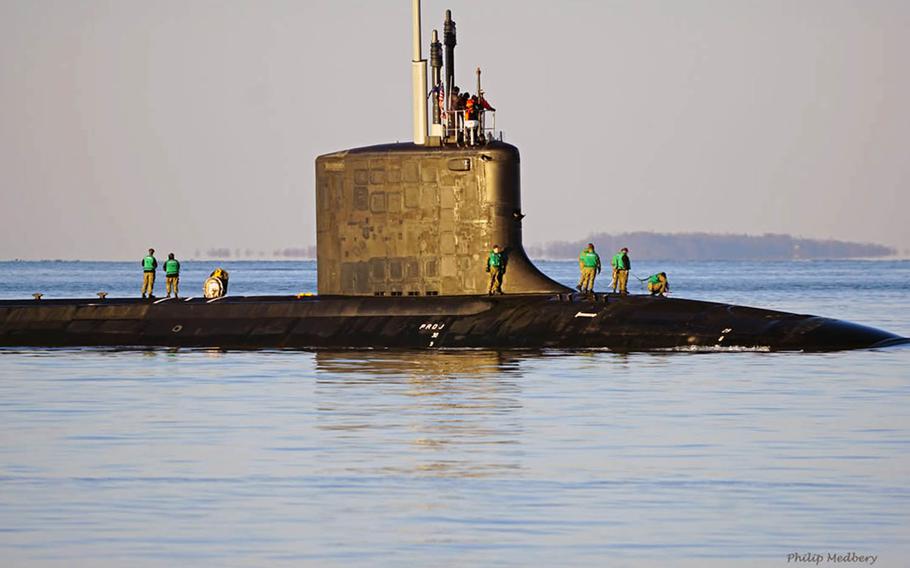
[403,233]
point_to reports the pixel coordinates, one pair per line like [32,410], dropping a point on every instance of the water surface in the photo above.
[460,458]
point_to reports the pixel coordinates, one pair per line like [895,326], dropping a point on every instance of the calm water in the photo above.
[472,458]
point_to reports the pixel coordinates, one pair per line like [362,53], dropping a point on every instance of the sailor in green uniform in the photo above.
[613,262]
[149,264]
[496,267]
[658,284]
[589,264]
[621,266]
[172,274]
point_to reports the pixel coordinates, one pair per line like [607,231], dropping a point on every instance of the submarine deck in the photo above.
[547,320]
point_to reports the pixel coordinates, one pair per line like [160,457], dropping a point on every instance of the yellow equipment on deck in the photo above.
[216,285]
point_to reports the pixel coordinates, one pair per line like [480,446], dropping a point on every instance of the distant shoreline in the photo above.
[710,246]
[642,245]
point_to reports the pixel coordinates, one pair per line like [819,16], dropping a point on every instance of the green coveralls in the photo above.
[495,268]
[589,264]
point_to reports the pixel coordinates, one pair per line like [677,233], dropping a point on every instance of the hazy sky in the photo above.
[186,125]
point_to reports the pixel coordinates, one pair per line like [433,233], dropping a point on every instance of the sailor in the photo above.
[449,104]
[589,264]
[484,106]
[149,264]
[462,102]
[470,108]
[658,284]
[454,97]
[172,274]
[496,267]
[621,266]
[484,103]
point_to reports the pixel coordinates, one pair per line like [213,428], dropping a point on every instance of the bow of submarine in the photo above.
[642,323]
[826,334]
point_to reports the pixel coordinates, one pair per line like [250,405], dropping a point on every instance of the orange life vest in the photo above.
[469,110]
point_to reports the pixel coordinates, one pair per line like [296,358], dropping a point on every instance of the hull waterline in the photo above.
[621,323]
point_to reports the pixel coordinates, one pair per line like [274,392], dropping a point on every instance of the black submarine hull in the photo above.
[566,321]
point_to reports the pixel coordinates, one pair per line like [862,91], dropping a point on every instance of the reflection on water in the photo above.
[452,413]
[420,364]
[449,458]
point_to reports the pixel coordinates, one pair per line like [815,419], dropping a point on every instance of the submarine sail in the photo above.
[406,219]
[420,218]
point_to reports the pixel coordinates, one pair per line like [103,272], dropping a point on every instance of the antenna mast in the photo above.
[418,79]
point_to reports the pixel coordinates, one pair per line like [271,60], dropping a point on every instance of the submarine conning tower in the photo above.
[415,219]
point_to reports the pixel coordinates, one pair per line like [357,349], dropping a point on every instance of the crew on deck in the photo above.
[172,274]
[589,265]
[496,267]
[658,284]
[621,266]
[149,265]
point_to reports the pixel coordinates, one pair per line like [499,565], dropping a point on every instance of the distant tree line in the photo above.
[298,252]
[656,246]
[705,246]
[291,252]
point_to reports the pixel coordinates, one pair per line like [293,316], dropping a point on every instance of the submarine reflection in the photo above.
[436,414]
